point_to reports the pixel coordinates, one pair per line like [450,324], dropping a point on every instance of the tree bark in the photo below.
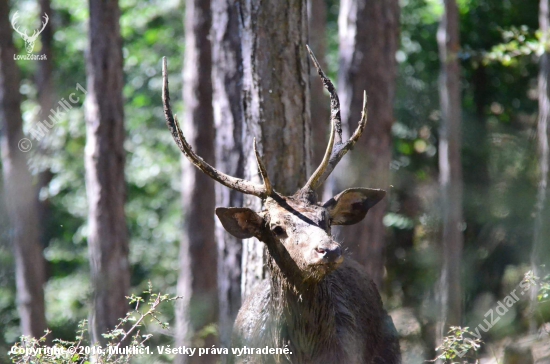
[275,105]
[369,39]
[44,80]
[450,171]
[197,281]
[46,97]
[227,79]
[540,251]
[19,190]
[320,101]
[104,162]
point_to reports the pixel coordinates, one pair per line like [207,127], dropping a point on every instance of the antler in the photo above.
[226,180]
[263,171]
[44,23]
[15,27]
[336,149]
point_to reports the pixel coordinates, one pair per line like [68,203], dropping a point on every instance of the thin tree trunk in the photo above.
[369,39]
[450,171]
[46,97]
[539,253]
[320,101]
[276,105]
[19,190]
[44,80]
[104,162]
[227,78]
[197,281]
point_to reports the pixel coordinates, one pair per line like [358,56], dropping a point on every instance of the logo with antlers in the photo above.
[29,40]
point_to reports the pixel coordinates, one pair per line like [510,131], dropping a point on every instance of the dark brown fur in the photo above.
[324,313]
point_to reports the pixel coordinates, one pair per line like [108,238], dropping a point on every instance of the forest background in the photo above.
[458,232]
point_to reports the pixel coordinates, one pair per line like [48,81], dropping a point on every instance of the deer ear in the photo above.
[350,206]
[240,222]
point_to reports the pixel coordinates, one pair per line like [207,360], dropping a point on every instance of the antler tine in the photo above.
[226,180]
[263,171]
[362,123]
[341,149]
[315,179]
[336,148]
[335,127]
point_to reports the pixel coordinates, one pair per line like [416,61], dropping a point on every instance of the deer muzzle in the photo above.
[327,254]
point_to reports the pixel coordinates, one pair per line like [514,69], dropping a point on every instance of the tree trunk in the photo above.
[104,162]
[540,253]
[19,190]
[275,105]
[320,101]
[44,79]
[450,170]
[227,78]
[369,39]
[197,281]
[46,97]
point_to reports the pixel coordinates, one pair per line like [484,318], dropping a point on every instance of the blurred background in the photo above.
[102,202]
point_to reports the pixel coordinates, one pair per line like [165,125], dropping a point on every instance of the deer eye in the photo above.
[277,230]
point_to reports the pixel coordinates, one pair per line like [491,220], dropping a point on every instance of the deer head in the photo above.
[296,229]
[29,41]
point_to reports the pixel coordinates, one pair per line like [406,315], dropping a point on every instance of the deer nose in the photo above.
[330,254]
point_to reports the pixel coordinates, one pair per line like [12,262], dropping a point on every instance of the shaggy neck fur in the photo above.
[301,311]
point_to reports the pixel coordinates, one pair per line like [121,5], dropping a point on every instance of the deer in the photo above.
[29,41]
[320,306]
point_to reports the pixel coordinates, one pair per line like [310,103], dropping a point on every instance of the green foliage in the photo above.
[544,291]
[128,333]
[460,344]
[499,52]
[517,42]
[150,29]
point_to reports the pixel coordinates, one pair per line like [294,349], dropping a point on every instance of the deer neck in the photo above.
[281,265]
[301,314]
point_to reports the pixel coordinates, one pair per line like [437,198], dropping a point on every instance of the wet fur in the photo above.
[337,320]
[326,313]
